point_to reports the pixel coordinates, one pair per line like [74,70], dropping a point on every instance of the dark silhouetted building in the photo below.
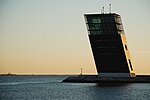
[109,45]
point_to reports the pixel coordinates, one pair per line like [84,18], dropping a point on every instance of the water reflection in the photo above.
[111,84]
[112,91]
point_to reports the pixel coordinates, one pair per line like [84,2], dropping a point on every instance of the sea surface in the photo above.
[50,87]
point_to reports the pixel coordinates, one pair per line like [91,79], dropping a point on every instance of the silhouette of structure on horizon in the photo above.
[109,45]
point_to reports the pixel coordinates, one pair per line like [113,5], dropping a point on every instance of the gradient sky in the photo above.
[50,36]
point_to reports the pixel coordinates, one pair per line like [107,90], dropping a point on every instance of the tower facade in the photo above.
[109,45]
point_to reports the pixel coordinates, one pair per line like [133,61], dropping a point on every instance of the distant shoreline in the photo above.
[38,75]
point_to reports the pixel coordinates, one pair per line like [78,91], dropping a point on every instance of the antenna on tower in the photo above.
[103,10]
[110,8]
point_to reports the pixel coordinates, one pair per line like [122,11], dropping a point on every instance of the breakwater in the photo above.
[96,79]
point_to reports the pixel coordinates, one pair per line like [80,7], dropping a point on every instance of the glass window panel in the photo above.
[96,20]
[94,26]
[95,32]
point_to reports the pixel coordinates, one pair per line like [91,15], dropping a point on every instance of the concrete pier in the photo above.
[96,79]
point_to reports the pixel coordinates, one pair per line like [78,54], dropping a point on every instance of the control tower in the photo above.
[109,45]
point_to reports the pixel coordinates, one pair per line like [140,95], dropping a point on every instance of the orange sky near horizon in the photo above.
[50,36]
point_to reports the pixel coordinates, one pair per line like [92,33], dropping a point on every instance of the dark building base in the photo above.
[96,79]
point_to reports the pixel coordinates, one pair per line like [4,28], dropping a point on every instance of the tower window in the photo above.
[126,47]
[96,20]
[130,64]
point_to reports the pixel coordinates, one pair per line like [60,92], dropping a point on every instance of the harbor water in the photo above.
[50,87]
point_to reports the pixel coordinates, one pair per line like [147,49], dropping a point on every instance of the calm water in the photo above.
[51,88]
